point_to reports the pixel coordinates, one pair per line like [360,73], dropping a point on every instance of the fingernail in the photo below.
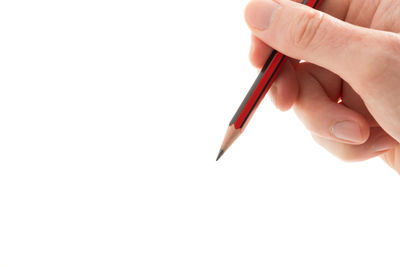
[347,131]
[259,14]
[384,143]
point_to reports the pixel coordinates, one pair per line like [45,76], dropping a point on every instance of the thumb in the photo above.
[354,53]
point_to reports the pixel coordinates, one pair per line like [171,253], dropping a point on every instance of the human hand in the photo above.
[347,89]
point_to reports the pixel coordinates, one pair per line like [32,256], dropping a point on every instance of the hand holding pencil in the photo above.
[347,92]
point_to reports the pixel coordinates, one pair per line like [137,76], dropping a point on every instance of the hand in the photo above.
[346,89]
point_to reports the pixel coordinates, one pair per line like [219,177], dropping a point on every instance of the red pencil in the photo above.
[257,92]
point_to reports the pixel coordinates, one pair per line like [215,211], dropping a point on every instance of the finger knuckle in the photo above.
[393,45]
[307,29]
[382,63]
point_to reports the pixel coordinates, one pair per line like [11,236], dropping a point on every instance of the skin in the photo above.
[350,72]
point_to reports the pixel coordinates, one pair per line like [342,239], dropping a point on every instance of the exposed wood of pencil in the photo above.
[230,137]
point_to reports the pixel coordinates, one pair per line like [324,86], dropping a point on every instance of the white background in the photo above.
[111,116]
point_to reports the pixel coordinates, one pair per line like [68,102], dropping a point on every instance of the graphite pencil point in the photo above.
[221,152]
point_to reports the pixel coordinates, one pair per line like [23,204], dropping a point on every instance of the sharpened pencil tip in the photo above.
[221,152]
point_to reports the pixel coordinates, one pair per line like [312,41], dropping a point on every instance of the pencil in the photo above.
[256,94]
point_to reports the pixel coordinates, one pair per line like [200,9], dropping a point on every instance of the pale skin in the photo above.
[347,92]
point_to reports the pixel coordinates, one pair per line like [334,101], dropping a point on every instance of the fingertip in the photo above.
[363,124]
[282,98]
[365,128]
[351,130]
[259,52]
[272,94]
[379,143]
[285,89]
